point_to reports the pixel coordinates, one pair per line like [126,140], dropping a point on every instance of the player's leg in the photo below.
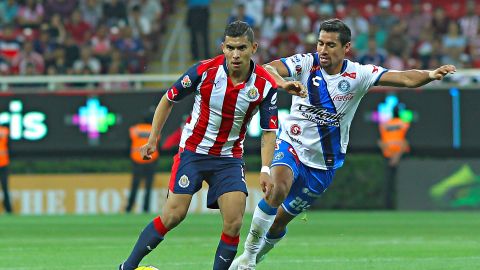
[227,191]
[306,189]
[232,207]
[185,181]
[277,231]
[284,170]
[174,212]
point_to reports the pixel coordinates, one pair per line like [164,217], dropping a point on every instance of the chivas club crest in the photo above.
[183,182]
[252,93]
[186,82]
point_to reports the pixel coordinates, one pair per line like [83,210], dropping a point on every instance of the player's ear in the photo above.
[348,46]
[222,46]
[254,47]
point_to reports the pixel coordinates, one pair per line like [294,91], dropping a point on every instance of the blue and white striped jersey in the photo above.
[318,126]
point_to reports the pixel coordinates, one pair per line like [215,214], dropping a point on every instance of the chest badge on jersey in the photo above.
[186,82]
[183,182]
[344,86]
[252,94]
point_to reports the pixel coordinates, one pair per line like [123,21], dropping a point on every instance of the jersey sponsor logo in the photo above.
[183,182]
[172,93]
[315,68]
[298,69]
[296,58]
[346,97]
[186,82]
[375,69]
[343,86]
[278,156]
[252,94]
[295,130]
[320,116]
[316,80]
[273,123]
[352,75]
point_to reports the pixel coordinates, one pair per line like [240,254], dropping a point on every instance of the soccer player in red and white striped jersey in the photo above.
[229,89]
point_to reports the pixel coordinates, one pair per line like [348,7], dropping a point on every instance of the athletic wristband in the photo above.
[265,169]
[431,75]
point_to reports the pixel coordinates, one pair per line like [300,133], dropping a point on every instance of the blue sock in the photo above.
[266,208]
[226,251]
[147,241]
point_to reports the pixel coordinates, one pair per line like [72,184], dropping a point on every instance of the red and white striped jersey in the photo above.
[221,111]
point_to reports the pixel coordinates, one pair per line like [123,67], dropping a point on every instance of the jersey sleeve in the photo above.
[269,111]
[370,75]
[185,85]
[297,64]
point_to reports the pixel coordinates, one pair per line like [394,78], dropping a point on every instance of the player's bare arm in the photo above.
[414,78]
[162,112]
[278,71]
[267,149]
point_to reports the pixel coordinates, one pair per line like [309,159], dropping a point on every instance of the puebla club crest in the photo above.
[344,86]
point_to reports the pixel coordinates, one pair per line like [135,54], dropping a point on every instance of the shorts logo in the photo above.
[183,182]
[305,190]
[343,86]
[252,94]
[278,156]
[273,123]
[186,82]
[295,130]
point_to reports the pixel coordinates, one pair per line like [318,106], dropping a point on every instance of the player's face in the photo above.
[238,52]
[330,51]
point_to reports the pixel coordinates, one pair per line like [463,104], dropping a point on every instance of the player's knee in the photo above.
[280,192]
[232,227]
[172,219]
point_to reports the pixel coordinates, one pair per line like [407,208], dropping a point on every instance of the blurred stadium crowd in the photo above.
[99,36]
[396,34]
[79,36]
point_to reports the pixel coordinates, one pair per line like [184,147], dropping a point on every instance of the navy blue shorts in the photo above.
[222,174]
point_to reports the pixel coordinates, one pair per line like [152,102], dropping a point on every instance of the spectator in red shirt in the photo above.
[78,28]
[26,57]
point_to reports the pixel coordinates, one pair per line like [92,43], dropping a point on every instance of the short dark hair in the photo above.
[337,26]
[239,29]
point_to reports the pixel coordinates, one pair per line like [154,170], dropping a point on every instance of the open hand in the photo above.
[441,72]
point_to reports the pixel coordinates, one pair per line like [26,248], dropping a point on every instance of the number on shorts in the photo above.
[299,205]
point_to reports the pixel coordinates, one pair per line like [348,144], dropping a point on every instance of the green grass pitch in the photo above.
[327,240]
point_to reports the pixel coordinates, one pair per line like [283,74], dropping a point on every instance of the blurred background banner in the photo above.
[84,123]
[439,184]
[102,193]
